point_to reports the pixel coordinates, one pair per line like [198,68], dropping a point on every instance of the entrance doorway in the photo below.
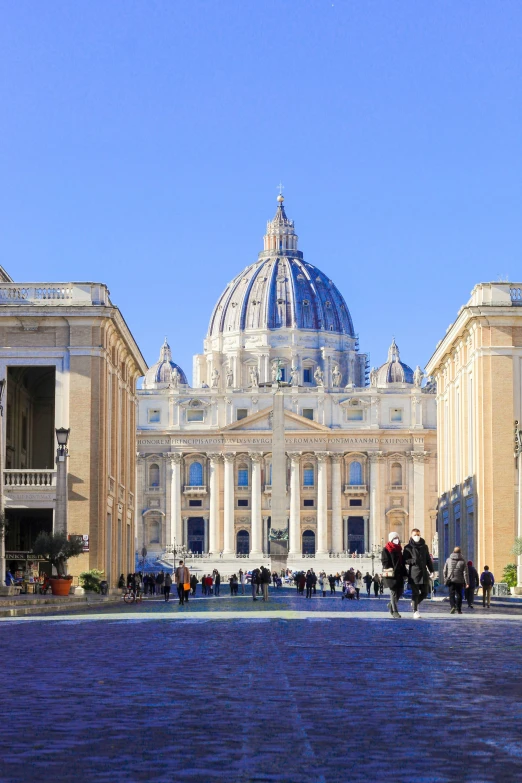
[243,542]
[196,535]
[356,535]
[308,542]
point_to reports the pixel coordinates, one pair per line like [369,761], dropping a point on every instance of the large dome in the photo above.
[281,291]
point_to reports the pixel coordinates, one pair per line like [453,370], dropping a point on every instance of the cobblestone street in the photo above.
[231,690]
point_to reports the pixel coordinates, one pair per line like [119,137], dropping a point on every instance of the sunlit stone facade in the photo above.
[360,444]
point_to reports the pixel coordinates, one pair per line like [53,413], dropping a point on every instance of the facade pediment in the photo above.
[263,421]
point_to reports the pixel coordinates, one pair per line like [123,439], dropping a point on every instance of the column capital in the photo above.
[214,456]
[175,459]
[230,457]
[337,458]
[295,457]
[255,456]
[322,456]
[419,457]
[375,457]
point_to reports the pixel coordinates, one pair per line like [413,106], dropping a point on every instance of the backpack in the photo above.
[486,580]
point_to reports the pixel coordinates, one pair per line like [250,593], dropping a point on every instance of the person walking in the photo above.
[474,582]
[487,580]
[323,583]
[266,578]
[419,567]
[456,577]
[301,582]
[243,580]
[167,584]
[332,580]
[182,578]
[376,585]
[393,572]
[309,583]
[193,584]
[367,579]
[358,584]
[254,582]
[159,582]
[217,582]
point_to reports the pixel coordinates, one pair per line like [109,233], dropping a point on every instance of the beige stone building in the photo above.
[478,371]
[69,360]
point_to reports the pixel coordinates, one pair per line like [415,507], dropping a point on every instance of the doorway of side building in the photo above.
[356,535]
[243,542]
[308,542]
[196,535]
[22,528]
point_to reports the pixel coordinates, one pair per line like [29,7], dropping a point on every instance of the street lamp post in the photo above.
[60,520]
[2,505]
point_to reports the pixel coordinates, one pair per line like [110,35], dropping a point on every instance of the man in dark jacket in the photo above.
[419,566]
[474,582]
[265,581]
[456,577]
[368,582]
[255,581]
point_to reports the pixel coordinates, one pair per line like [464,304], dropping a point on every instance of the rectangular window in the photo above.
[195,503]
[242,413]
[283,374]
[242,477]
[354,414]
[308,477]
[307,375]
[242,503]
[396,414]
[195,414]
[308,413]
[355,502]
[308,503]
[154,415]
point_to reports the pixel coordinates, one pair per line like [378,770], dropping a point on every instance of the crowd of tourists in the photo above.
[410,565]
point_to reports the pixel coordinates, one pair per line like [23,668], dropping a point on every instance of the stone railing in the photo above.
[29,478]
[355,489]
[54,293]
[188,489]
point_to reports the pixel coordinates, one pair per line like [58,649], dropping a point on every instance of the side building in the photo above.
[477,367]
[69,360]
[360,446]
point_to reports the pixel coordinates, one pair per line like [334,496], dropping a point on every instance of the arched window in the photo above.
[308,476]
[356,473]
[154,532]
[396,474]
[242,475]
[196,474]
[154,475]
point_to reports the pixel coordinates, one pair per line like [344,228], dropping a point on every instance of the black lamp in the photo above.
[62,436]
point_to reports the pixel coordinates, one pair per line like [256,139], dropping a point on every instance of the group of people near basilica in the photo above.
[414,563]
[411,564]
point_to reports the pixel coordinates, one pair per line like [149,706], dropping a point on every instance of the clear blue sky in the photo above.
[141,143]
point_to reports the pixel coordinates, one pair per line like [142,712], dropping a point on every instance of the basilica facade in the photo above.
[360,444]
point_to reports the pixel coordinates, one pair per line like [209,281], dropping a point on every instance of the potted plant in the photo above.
[57,549]
[90,580]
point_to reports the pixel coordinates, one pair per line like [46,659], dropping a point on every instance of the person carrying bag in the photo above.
[182,577]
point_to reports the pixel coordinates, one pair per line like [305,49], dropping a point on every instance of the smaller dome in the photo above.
[164,369]
[394,371]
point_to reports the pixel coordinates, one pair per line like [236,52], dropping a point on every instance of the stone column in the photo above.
[337,520]
[374,458]
[322,503]
[295,504]
[228,543]
[366,518]
[256,530]
[418,492]
[213,522]
[175,499]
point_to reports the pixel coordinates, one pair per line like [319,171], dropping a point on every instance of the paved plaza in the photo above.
[311,691]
